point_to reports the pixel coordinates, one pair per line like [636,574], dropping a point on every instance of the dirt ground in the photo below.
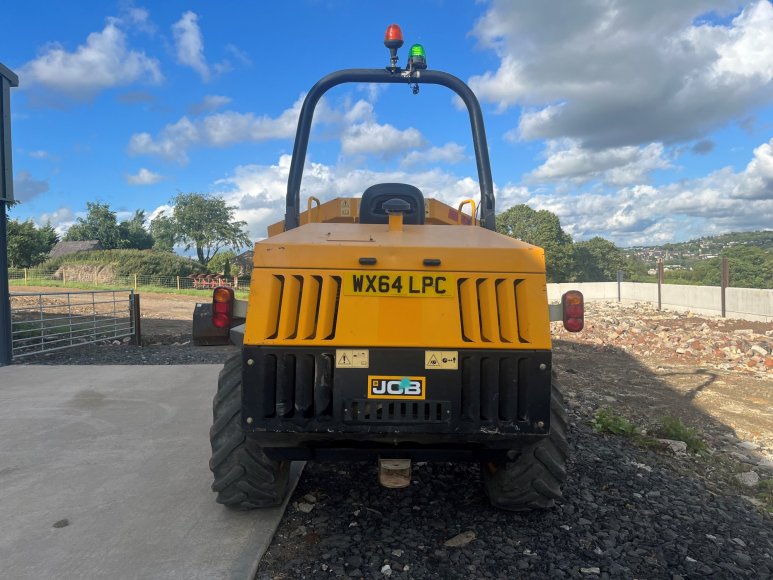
[642,363]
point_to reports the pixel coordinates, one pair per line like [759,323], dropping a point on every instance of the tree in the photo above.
[100,224]
[222,263]
[541,228]
[133,234]
[29,245]
[162,228]
[598,260]
[203,222]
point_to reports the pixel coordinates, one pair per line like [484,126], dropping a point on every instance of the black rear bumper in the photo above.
[299,398]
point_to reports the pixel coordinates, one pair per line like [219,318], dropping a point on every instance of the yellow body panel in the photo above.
[299,296]
[346,210]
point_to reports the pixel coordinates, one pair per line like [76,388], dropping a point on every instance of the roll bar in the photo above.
[390,76]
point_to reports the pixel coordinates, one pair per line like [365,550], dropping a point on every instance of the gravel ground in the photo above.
[628,512]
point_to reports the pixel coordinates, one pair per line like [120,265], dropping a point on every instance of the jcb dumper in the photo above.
[394,328]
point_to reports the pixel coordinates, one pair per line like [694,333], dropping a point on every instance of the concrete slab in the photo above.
[120,453]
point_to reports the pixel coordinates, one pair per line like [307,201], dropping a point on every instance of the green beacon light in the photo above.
[417,57]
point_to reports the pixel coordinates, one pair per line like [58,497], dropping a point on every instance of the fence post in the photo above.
[135,314]
[725,283]
[619,285]
[178,283]
[660,282]
[135,281]
[25,277]
[64,276]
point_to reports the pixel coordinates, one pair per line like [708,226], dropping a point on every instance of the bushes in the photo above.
[127,262]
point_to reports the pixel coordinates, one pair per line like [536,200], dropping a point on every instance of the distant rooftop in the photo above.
[66,248]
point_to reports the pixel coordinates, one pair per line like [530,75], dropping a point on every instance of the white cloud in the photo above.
[449,153]
[209,103]
[374,138]
[61,219]
[215,130]
[26,187]
[722,201]
[144,177]
[39,154]
[103,62]
[568,160]
[189,46]
[611,73]
[355,123]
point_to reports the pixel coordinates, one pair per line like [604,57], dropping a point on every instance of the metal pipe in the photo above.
[292,213]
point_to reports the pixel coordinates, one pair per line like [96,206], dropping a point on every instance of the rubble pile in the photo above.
[677,337]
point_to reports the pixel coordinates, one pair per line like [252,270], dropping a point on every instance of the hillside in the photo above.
[704,247]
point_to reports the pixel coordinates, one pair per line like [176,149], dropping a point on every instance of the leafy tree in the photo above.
[222,263]
[541,228]
[205,223]
[598,260]
[100,224]
[162,228]
[29,245]
[133,234]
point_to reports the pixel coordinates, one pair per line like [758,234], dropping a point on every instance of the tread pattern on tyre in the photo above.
[244,477]
[534,480]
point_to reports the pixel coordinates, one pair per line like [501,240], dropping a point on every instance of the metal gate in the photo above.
[45,322]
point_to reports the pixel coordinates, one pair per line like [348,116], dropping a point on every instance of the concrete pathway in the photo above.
[103,474]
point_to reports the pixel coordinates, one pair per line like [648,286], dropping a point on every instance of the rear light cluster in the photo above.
[573,308]
[222,307]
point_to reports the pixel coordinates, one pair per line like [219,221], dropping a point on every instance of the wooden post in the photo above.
[135,314]
[64,276]
[26,283]
[178,283]
[619,285]
[135,281]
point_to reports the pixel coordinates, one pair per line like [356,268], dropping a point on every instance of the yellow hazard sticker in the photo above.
[352,359]
[444,360]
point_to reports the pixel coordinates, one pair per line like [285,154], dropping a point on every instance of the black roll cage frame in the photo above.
[390,76]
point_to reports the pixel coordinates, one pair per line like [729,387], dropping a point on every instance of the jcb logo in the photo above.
[396,387]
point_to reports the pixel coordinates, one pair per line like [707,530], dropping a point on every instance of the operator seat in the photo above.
[372,203]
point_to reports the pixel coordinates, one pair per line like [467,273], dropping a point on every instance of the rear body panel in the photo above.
[398,302]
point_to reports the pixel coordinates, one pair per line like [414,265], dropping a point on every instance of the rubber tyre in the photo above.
[244,477]
[535,478]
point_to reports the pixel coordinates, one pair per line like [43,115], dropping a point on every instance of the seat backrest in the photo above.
[372,203]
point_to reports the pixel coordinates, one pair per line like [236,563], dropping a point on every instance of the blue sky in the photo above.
[640,122]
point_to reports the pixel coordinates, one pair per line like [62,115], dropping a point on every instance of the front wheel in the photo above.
[533,480]
[244,477]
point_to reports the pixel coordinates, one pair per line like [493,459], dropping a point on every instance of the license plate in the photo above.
[408,284]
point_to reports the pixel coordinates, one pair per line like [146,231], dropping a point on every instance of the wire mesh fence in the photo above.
[50,321]
[97,278]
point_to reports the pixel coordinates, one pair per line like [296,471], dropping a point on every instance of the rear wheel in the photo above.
[244,477]
[533,480]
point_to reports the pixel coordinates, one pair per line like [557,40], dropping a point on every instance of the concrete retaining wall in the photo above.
[743,303]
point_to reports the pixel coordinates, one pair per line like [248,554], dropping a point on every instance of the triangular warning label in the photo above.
[344,360]
[433,362]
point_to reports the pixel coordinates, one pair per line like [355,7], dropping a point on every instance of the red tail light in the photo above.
[222,306]
[573,307]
